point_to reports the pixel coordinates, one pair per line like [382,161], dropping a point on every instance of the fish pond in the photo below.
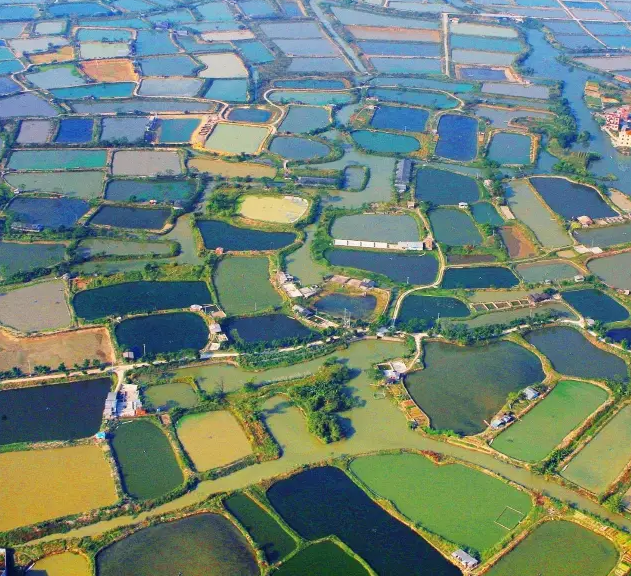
[146,460]
[551,271]
[264,529]
[128,297]
[256,115]
[298,148]
[442,187]
[128,217]
[457,137]
[170,395]
[56,412]
[300,119]
[162,333]
[412,269]
[16,257]
[85,185]
[217,234]
[462,505]
[389,228]
[400,118]
[604,237]
[597,305]
[213,439]
[283,209]
[48,212]
[64,564]
[489,373]
[414,97]
[572,354]
[337,305]
[324,501]
[200,544]
[103,247]
[517,243]
[570,199]
[74,131]
[486,213]
[267,328]
[550,421]
[559,548]
[146,190]
[324,557]
[57,159]
[375,141]
[510,148]
[613,270]
[418,312]
[454,227]
[479,277]
[236,138]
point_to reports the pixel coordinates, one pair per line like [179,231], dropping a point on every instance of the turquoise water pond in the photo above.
[174,130]
[485,213]
[145,190]
[508,148]
[298,148]
[115,90]
[57,159]
[301,119]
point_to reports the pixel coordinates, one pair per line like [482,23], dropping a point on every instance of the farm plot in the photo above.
[145,163]
[110,70]
[568,404]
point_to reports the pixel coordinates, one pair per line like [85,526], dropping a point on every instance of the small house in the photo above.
[367,283]
[579,278]
[302,311]
[537,298]
[215,328]
[129,355]
[463,205]
[530,393]
[501,421]
[391,376]
[383,331]
[196,308]
[585,221]
[429,243]
[111,405]
[465,559]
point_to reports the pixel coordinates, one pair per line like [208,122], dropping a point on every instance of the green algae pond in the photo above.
[243,285]
[324,501]
[129,217]
[375,141]
[461,388]
[559,548]
[547,271]
[419,311]
[323,558]
[479,277]
[560,412]
[66,411]
[206,544]
[264,529]
[58,159]
[162,333]
[146,460]
[169,395]
[573,355]
[16,257]
[461,506]
[128,297]
[454,227]
[597,305]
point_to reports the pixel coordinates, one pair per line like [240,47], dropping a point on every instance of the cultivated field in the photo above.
[63,54]
[110,70]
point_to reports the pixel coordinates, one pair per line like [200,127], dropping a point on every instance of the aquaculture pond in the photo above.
[550,421]
[324,558]
[128,297]
[264,529]
[15,257]
[374,141]
[267,328]
[256,115]
[604,237]
[243,285]
[171,395]
[358,307]
[400,118]
[597,305]
[57,159]
[572,354]
[81,184]
[414,97]
[217,234]
[63,564]
[391,228]
[298,148]
[56,412]
[74,131]
[551,271]
[613,270]
[462,505]
[489,373]
[146,190]
[457,137]
[48,212]
[201,544]
[570,199]
[324,501]
[454,227]
[305,119]
[510,148]
[103,247]
[419,312]
[162,333]
[236,138]
[443,187]
[559,548]
[485,213]
[145,458]
[619,334]
[479,277]
[128,217]
[412,269]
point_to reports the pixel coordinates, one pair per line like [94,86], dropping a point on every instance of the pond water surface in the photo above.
[597,305]
[219,234]
[267,328]
[479,277]
[375,141]
[337,305]
[442,187]
[454,227]
[457,137]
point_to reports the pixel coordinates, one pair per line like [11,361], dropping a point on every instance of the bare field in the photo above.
[110,70]
[51,350]
[63,54]
[231,169]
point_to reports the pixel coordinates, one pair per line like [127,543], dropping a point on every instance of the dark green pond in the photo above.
[146,461]
[162,333]
[596,305]
[126,217]
[360,307]
[620,334]
[217,234]
[454,227]
[200,545]
[145,190]
[265,530]
[324,501]
[267,328]
[48,212]
[418,269]
[56,412]
[375,141]
[479,277]
[122,299]
[462,386]
[573,355]
[485,213]
[322,559]
[441,187]
[418,312]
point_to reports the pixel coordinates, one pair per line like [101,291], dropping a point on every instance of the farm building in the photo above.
[465,559]
[111,405]
[530,393]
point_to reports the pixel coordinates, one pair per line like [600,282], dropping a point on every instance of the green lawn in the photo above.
[243,285]
[599,463]
[544,427]
[454,501]
[559,548]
